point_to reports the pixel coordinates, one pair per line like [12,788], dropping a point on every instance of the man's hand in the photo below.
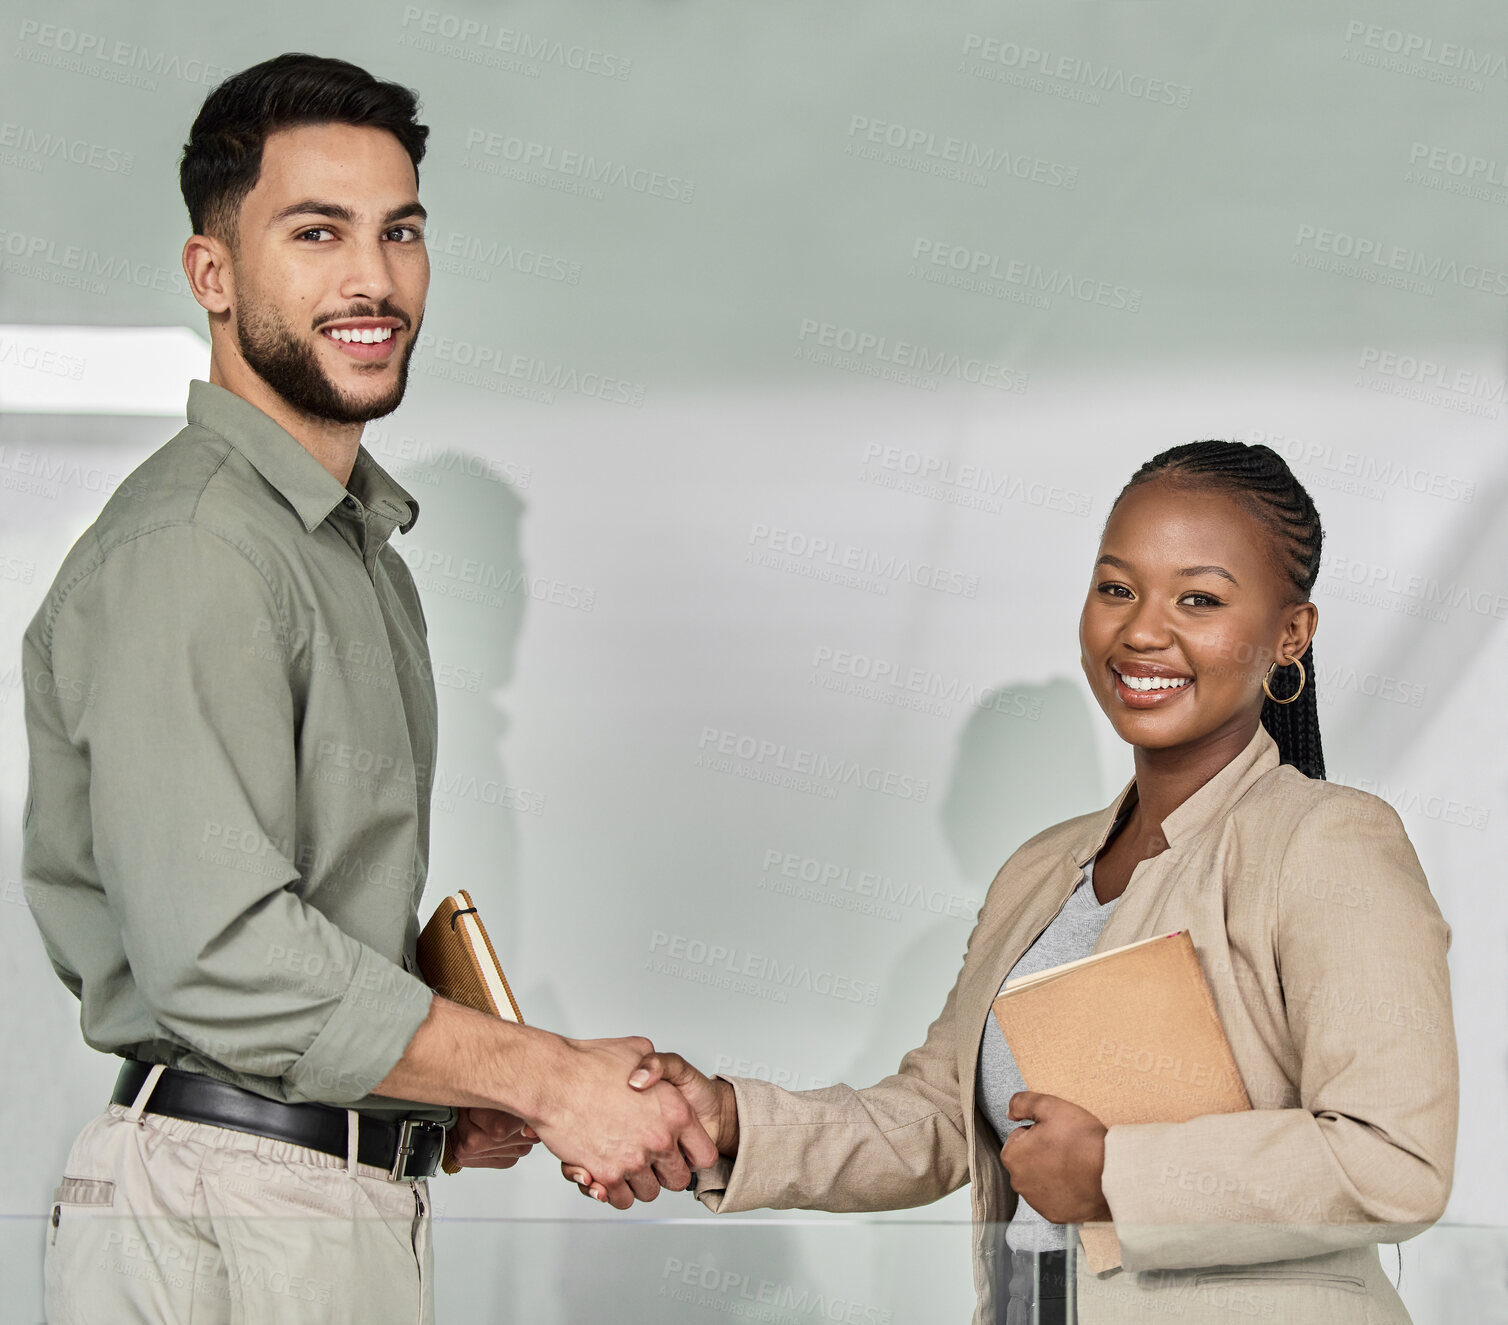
[1056,1163]
[632,1142]
[571,1093]
[490,1139]
[713,1101]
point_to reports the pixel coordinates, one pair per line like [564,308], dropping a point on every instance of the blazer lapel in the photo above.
[1139,914]
[1030,907]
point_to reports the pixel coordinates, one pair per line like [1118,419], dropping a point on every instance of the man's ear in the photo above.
[206,263]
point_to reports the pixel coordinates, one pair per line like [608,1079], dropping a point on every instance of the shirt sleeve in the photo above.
[1361,952]
[191,739]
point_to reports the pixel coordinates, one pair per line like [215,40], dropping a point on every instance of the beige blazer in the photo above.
[1326,956]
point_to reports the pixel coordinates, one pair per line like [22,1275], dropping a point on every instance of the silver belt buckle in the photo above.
[406,1147]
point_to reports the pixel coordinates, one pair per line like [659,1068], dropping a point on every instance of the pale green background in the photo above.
[651,508]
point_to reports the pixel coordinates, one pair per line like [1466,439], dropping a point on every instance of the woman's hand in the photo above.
[1056,1163]
[712,1100]
[490,1139]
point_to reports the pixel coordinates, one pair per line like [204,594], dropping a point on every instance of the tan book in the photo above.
[1131,1035]
[457,961]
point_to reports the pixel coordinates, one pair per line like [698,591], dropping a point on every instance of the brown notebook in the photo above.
[457,961]
[1132,1035]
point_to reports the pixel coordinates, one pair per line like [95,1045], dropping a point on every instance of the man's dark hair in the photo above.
[223,156]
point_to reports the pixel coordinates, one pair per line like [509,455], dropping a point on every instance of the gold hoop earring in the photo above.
[1296,693]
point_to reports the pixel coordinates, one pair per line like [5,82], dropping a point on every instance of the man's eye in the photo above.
[415,235]
[314,230]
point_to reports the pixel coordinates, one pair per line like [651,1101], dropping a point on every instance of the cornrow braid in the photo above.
[1258,477]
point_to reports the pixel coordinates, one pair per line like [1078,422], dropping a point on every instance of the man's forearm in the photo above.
[572,1093]
[468,1059]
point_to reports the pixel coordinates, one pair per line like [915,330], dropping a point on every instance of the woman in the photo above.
[1313,921]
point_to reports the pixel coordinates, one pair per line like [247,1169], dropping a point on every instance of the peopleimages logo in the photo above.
[927,152]
[1369,254]
[682,955]
[1430,372]
[97,55]
[1029,60]
[471,38]
[922,688]
[484,144]
[824,882]
[865,345]
[39,474]
[42,359]
[71,264]
[740,1295]
[1421,56]
[975,270]
[1414,594]
[1462,165]
[488,366]
[55,145]
[780,549]
[1462,174]
[1372,473]
[1431,382]
[763,760]
[477,258]
[963,483]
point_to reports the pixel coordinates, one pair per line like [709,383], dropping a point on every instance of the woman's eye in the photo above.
[1207,600]
[1114,590]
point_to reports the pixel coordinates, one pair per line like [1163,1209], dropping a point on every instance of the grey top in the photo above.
[232,723]
[1072,934]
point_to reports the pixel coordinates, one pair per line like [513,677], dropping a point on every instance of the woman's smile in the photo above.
[1139,686]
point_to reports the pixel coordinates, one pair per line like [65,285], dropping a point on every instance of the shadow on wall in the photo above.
[466,558]
[1014,776]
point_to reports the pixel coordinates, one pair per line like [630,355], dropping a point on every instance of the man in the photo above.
[232,724]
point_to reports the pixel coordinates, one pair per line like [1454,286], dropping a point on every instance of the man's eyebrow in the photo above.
[338,212]
[1108,560]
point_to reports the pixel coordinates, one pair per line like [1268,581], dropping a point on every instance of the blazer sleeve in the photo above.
[1369,1155]
[896,1144]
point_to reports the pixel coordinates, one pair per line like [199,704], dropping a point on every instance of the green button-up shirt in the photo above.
[232,724]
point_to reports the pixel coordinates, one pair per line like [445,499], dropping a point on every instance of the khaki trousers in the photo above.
[181,1223]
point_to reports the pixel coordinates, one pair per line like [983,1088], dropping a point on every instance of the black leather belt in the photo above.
[408,1148]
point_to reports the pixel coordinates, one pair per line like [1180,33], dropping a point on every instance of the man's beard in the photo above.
[292,369]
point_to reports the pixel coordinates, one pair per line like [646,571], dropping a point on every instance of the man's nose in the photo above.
[369,275]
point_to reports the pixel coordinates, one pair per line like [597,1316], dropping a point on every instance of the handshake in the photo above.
[623,1120]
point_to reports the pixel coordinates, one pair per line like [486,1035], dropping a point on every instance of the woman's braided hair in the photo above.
[1257,476]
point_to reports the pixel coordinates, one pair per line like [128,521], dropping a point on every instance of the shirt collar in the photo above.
[1210,802]
[281,459]
[379,491]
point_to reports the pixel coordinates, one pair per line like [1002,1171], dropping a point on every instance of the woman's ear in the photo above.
[1303,619]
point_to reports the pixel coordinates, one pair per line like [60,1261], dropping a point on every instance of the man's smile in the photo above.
[365,339]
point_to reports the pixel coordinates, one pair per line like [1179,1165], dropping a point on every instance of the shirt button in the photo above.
[349,503]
